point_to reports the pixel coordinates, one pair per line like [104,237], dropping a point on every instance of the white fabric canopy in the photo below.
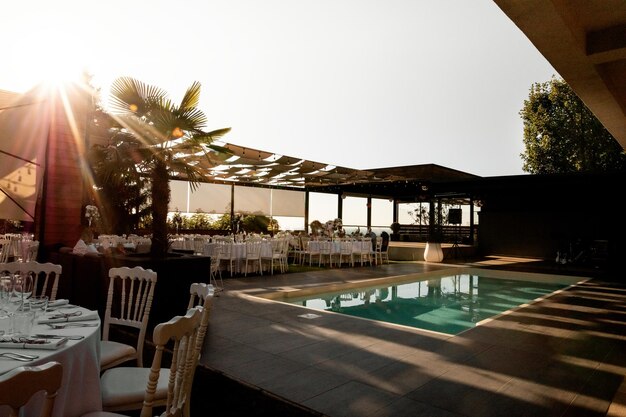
[24,124]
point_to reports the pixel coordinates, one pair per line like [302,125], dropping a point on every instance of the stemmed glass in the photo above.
[22,287]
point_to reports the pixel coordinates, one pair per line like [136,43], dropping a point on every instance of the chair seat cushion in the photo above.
[127,385]
[111,351]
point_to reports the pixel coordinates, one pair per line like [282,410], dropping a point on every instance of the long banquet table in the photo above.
[80,388]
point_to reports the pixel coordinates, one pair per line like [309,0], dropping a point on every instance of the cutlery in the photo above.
[59,336]
[18,356]
[66,315]
[64,325]
[49,309]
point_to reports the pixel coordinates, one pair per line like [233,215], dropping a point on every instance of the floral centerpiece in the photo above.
[91,213]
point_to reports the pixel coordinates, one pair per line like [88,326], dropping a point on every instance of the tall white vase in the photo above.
[433,252]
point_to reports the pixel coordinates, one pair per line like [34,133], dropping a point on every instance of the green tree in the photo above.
[168,139]
[561,134]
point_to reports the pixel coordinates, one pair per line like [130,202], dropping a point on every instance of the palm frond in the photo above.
[191,98]
[218,133]
[130,96]
[192,118]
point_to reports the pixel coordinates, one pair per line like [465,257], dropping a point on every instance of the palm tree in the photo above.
[170,141]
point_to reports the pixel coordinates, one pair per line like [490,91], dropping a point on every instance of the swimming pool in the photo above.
[449,302]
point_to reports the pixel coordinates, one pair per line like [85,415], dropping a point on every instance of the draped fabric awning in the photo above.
[24,124]
[255,167]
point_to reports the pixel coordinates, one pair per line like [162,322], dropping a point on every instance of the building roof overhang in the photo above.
[585,41]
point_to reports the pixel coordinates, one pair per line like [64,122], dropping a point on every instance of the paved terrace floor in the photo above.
[562,356]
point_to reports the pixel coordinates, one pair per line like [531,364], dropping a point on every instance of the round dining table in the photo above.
[79,355]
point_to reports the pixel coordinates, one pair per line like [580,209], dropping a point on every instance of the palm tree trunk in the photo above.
[160,202]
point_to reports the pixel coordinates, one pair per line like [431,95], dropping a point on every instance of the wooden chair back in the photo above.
[183,332]
[129,301]
[20,384]
[45,275]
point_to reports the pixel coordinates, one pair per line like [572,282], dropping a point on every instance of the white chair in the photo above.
[362,251]
[284,255]
[304,243]
[227,255]
[253,255]
[275,256]
[129,301]
[335,252]
[20,384]
[378,255]
[216,271]
[295,249]
[345,253]
[45,275]
[132,388]
[201,294]
[326,251]
[313,250]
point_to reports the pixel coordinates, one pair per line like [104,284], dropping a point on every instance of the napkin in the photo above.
[80,247]
[56,317]
[31,343]
[58,303]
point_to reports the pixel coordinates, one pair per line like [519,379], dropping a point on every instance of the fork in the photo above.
[18,356]
[64,325]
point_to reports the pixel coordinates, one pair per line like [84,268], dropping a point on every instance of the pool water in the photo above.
[448,304]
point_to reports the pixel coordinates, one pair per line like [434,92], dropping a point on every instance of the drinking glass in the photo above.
[23,320]
[38,304]
[6,290]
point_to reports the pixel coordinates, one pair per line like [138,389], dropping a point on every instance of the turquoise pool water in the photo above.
[448,304]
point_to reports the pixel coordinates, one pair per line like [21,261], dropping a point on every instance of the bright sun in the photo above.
[50,61]
[47,51]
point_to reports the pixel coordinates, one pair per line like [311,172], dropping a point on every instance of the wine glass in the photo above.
[22,287]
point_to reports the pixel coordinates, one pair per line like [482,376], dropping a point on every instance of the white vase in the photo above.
[433,252]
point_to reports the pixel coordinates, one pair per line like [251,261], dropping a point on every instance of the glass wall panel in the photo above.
[289,223]
[355,212]
[179,196]
[382,213]
[322,207]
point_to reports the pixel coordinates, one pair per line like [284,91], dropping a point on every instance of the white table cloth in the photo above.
[80,389]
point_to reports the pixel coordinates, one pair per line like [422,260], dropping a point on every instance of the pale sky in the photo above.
[357,83]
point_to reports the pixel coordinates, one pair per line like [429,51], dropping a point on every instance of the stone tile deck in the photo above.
[562,356]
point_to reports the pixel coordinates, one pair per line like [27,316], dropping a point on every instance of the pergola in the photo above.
[248,167]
